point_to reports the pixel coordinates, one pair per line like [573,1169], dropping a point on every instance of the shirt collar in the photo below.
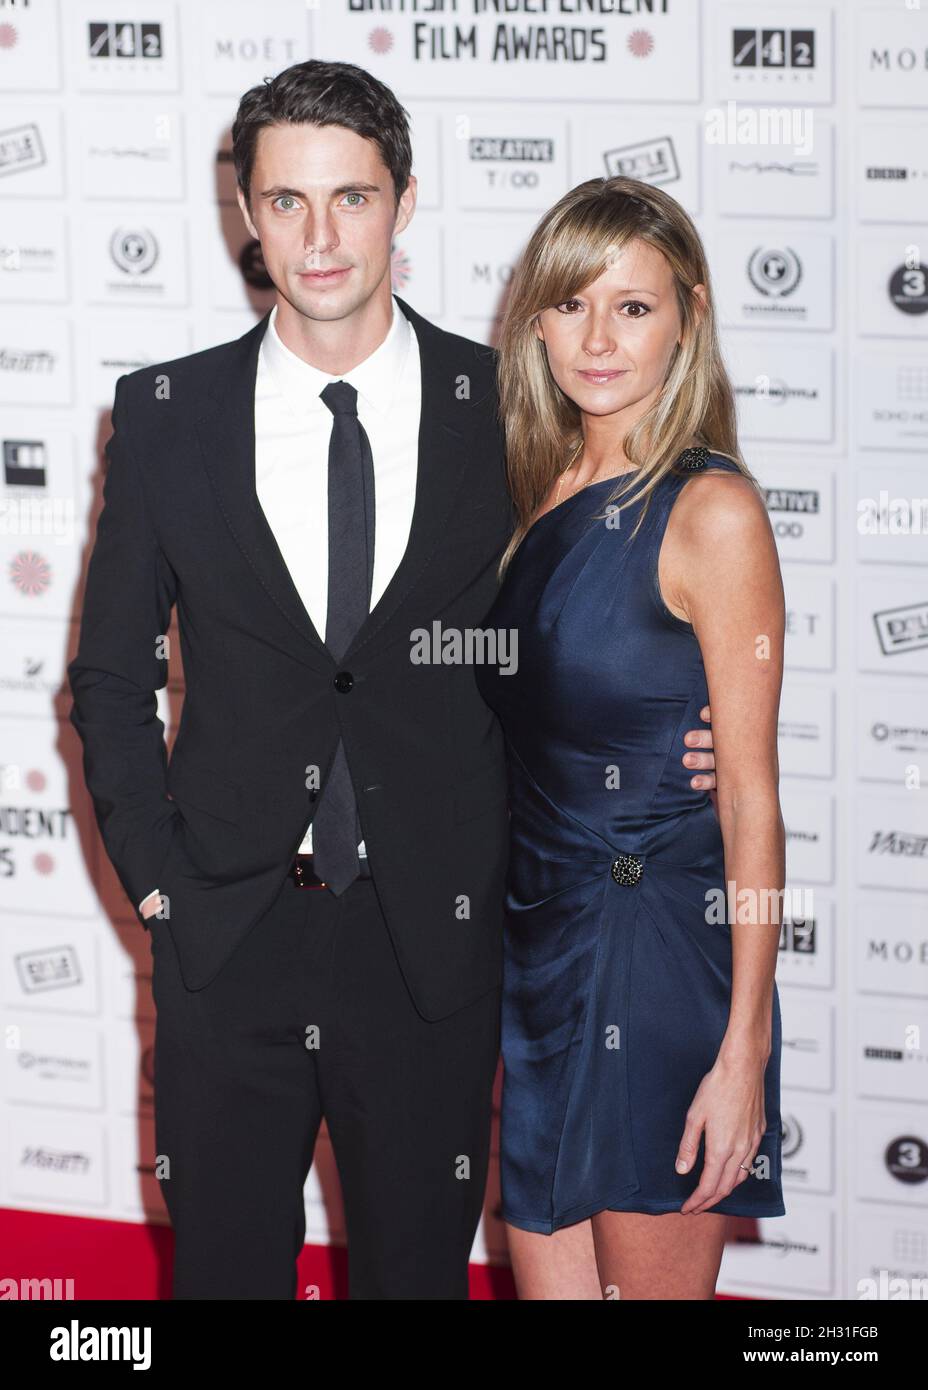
[376,378]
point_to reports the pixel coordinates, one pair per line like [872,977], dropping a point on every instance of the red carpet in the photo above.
[118,1259]
[121,1260]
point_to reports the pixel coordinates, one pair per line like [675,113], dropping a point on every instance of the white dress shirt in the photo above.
[292,431]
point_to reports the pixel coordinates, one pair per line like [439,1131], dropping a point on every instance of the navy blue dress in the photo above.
[617,979]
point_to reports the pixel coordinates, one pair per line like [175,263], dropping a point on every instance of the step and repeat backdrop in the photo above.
[797,137]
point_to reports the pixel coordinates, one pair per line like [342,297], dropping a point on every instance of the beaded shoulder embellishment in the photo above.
[694,458]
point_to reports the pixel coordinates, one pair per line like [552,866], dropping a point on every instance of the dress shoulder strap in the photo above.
[700,460]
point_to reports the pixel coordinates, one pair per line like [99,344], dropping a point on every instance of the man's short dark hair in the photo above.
[322,94]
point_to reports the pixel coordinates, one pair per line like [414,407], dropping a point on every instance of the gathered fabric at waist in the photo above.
[552,850]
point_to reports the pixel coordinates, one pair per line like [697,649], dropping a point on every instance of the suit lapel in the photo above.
[226,434]
[443,456]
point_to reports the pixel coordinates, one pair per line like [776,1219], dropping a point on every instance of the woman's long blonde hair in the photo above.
[573,244]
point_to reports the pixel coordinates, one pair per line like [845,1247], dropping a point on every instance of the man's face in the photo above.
[323,209]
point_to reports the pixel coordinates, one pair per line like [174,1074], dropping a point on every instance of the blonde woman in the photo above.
[641,1021]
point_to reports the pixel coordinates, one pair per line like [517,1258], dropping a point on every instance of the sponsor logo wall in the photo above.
[797,137]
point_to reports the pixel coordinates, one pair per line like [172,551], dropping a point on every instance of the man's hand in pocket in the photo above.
[151,906]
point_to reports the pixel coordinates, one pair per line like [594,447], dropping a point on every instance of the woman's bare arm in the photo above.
[719,570]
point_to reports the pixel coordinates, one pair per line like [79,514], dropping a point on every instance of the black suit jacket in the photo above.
[216,829]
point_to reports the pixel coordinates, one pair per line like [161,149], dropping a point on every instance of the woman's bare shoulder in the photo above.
[719,506]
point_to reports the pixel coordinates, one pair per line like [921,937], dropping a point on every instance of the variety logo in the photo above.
[55,1160]
[28,361]
[899,842]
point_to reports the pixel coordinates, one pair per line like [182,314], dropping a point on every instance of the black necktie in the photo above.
[336,824]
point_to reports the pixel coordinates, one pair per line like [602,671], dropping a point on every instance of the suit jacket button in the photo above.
[343,682]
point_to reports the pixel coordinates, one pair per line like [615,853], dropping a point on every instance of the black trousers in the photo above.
[311,1017]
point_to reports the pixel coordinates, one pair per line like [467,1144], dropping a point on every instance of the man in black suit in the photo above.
[322,864]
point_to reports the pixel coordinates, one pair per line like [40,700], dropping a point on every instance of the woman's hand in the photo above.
[729,1106]
[704,761]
